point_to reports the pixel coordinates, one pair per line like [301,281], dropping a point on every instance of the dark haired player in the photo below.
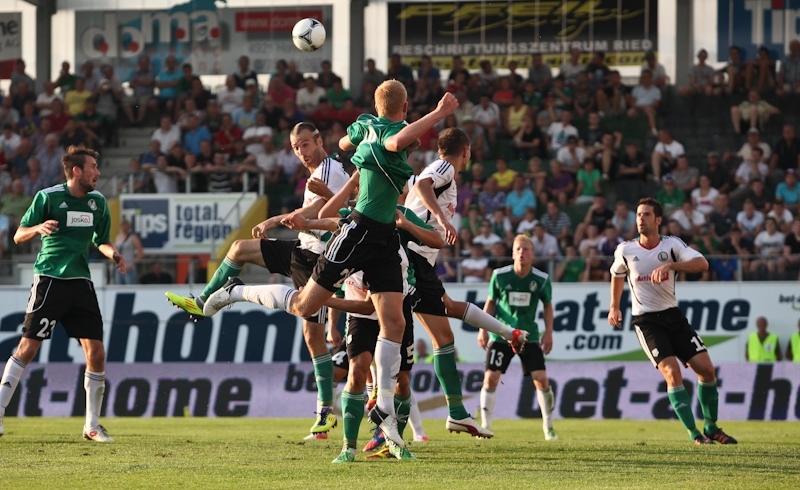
[291,258]
[69,217]
[651,263]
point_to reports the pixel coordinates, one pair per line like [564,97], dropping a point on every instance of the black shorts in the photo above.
[362,336]
[72,302]
[340,358]
[499,354]
[667,333]
[285,257]
[362,244]
[429,287]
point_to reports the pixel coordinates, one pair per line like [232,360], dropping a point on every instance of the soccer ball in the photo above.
[308,35]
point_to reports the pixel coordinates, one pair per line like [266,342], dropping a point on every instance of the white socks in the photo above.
[9,381]
[487,407]
[546,405]
[95,385]
[415,418]
[275,296]
[479,318]
[387,360]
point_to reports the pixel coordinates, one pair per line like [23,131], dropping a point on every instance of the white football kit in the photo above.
[442,173]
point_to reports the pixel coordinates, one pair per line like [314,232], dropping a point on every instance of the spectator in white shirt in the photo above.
[749,170]
[473,269]
[230,98]
[665,153]
[750,220]
[689,218]
[44,102]
[704,196]
[571,155]
[254,135]
[167,134]
[769,245]
[656,68]
[782,216]
[487,237]
[545,245]
[9,141]
[558,132]
[487,115]
[645,98]
[307,97]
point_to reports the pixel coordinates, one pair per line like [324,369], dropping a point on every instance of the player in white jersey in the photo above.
[291,258]
[651,264]
[433,199]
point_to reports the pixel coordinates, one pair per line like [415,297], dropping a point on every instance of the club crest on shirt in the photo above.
[662,256]
[92,205]
[533,286]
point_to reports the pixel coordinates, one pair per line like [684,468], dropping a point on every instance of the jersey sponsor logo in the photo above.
[63,205]
[92,205]
[649,278]
[662,256]
[76,218]
[519,299]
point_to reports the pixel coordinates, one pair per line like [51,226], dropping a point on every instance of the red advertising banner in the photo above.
[273,21]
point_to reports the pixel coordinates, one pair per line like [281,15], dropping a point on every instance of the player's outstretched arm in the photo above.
[27,233]
[429,237]
[351,306]
[345,144]
[301,223]
[410,133]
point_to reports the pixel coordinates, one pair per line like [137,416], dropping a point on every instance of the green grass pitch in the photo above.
[269,453]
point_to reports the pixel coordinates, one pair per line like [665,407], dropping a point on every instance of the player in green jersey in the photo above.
[367,240]
[514,295]
[69,217]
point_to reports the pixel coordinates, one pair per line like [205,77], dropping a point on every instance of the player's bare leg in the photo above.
[709,397]
[681,403]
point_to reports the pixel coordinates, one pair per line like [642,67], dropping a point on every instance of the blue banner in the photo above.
[750,24]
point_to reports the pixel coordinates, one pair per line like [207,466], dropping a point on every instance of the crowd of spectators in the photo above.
[546,138]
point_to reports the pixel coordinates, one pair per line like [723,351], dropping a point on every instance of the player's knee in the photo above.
[26,350]
[236,251]
[491,379]
[95,354]
[540,379]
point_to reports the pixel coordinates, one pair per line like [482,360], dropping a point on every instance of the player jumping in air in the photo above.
[291,258]
[433,199]
[367,240]
[651,264]
[69,217]
[514,295]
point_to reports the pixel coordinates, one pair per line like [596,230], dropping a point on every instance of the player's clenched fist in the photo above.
[448,103]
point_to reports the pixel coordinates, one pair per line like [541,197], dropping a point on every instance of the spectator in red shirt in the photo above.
[325,115]
[348,114]
[280,92]
[58,118]
[227,134]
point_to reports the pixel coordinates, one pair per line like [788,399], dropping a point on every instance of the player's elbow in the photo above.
[392,145]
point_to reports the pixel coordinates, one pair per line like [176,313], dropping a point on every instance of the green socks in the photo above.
[227,269]
[323,371]
[403,407]
[709,401]
[352,413]
[683,408]
[444,363]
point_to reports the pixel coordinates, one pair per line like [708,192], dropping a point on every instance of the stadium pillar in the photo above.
[44,35]
[684,42]
[356,44]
